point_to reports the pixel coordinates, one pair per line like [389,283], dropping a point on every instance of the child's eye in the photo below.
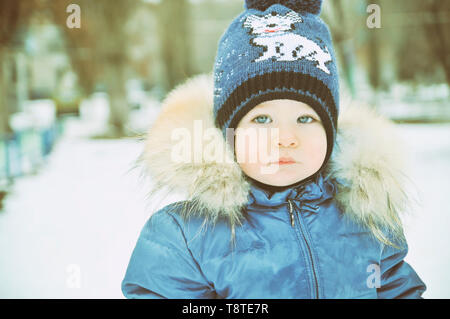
[262,119]
[305,119]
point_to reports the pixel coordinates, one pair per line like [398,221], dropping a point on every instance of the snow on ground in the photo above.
[69,231]
[427,228]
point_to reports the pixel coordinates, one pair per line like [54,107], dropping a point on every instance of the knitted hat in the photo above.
[276,50]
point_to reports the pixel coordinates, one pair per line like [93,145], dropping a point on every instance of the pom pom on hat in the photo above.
[312,6]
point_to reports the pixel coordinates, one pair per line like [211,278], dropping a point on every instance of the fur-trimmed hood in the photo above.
[366,163]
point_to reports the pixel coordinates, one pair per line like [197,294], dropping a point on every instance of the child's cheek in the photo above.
[255,150]
[244,150]
[316,147]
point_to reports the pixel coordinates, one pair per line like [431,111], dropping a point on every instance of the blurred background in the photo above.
[75,100]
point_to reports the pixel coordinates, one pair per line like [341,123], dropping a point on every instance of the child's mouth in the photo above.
[285,161]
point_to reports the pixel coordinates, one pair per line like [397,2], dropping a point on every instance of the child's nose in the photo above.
[287,139]
[288,144]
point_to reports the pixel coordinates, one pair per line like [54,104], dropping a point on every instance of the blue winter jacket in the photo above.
[295,244]
[313,241]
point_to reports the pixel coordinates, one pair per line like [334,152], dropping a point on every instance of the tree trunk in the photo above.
[438,35]
[4,107]
[173,31]
[374,60]
[344,46]
[119,109]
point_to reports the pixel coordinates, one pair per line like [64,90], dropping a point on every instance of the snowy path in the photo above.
[427,229]
[68,232]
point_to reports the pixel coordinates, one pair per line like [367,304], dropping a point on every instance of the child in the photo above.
[318,217]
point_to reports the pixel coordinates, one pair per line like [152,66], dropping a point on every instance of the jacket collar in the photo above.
[307,196]
[366,165]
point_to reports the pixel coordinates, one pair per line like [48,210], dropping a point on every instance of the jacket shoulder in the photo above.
[169,213]
[174,218]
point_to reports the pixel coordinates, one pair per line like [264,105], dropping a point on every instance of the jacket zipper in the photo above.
[291,213]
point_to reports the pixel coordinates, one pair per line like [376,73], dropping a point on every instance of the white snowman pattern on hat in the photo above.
[274,33]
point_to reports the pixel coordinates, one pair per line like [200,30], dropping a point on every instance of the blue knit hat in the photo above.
[276,50]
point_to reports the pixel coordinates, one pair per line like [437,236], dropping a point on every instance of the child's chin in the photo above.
[282,179]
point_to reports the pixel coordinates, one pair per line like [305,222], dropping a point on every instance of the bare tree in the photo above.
[341,30]
[10,12]
[80,45]
[174,39]
[437,29]
[99,51]
[374,56]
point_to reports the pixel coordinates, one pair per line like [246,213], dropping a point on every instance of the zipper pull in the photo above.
[291,213]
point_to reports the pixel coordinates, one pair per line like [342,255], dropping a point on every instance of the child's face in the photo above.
[301,137]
